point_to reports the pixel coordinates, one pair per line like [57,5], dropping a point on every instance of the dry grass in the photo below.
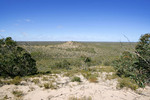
[127,82]
[80,98]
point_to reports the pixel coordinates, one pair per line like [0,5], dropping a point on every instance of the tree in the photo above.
[136,65]
[143,53]
[14,60]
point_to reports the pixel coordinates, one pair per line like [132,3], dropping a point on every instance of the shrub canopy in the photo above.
[136,65]
[14,60]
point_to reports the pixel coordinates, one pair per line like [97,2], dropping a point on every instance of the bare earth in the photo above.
[67,90]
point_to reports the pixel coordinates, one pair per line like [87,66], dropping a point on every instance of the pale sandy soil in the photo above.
[67,90]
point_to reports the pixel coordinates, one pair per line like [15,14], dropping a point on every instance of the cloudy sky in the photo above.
[74,20]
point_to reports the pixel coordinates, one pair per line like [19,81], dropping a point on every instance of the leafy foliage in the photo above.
[14,60]
[136,65]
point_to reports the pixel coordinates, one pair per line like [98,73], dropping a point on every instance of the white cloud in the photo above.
[27,20]
[2,30]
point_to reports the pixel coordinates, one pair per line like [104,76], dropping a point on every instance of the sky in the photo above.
[74,20]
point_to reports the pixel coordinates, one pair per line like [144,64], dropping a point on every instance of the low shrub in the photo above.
[16,80]
[15,60]
[127,82]
[136,65]
[110,77]
[62,65]
[93,79]
[76,79]
[18,93]
[36,81]
[49,86]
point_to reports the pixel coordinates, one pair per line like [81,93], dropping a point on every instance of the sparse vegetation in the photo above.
[113,76]
[127,82]
[18,93]
[49,85]
[92,77]
[80,98]
[76,79]
[45,79]
[36,81]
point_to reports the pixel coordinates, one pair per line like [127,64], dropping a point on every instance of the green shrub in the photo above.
[127,82]
[93,79]
[62,65]
[113,76]
[36,81]
[136,65]
[14,60]
[45,79]
[76,79]
[16,80]
[18,93]
[49,86]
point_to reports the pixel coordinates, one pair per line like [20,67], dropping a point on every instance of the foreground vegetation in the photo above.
[70,58]
[136,65]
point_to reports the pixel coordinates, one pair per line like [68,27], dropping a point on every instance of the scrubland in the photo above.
[73,71]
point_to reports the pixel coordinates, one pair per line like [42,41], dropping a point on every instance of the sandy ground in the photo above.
[67,90]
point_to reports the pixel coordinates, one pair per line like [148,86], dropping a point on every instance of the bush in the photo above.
[36,81]
[16,80]
[127,82]
[14,60]
[143,54]
[93,79]
[136,65]
[76,79]
[49,86]
[18,93]
[62,65]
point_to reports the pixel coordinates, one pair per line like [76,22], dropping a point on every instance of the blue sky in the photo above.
[74,20]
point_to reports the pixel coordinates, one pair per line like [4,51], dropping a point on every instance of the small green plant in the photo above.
[45,79]
[127,82]
[113,76]
[80,98]
[86,74]
[18,93]
[49,86]
[106,63]
[106,69]
[93,79]
[62,65]
[36,81]
[5,97]
[16,80]
[76,79]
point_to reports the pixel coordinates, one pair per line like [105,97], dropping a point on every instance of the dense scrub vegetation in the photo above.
[49,55]
[136,65]
[14,60]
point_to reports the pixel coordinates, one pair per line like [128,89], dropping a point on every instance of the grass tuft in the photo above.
[76,79]
[17,93]
[127,82]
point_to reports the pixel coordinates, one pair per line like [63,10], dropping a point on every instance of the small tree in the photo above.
[14,60]
[136,65]
[143,53]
